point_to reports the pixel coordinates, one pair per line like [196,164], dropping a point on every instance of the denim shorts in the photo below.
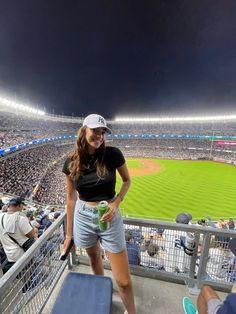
[213,306]
[86,231]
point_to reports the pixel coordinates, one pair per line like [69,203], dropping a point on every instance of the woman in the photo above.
[91,175]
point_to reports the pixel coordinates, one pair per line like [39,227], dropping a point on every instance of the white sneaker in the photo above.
[125,312]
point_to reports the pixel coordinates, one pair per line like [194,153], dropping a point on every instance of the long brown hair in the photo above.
[79,156]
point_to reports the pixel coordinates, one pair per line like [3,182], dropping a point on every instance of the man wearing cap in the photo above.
[176,260]
[14,224]
[209,301]
[183,218]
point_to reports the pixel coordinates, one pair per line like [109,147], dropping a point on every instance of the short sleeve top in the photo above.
[89,186]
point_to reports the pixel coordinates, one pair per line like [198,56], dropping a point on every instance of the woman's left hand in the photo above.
[110,214]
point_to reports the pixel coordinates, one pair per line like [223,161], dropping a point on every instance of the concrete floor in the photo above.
[151,296]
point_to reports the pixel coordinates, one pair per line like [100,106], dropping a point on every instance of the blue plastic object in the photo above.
[84,294]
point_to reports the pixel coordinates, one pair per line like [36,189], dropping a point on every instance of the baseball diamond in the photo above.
[163,188]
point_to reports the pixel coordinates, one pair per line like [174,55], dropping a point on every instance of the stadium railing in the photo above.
[27,286]
[211,261]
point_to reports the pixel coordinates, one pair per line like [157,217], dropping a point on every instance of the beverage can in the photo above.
[102,208]
[189,243]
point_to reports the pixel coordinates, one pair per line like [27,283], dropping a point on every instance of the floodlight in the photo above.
[176,119]
[20,107]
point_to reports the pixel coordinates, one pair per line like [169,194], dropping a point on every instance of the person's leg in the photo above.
[120,270]
[95,258]
[206,294]
[201,304]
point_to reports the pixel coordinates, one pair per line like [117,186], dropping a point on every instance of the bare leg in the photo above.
[120,270]
[95,259]
[201,304]
[206,294]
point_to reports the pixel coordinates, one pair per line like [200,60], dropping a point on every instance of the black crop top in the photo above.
[89,186]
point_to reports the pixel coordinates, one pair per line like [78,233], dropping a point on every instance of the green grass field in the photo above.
[202,188]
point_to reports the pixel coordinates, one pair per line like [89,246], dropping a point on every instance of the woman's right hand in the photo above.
[68,244]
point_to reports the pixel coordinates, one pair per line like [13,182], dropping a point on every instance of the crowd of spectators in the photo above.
[194,128]
[17,128]
[53,189]
[178,148]
[20,173]
[167,250]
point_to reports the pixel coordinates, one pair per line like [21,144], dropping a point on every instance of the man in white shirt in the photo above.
[176,260]
[14,224]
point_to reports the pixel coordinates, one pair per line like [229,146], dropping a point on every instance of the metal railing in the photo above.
[211,262]
[27,286]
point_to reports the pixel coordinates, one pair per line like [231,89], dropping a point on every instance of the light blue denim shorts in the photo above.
[87,233]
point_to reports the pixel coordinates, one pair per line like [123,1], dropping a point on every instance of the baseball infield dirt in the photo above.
[149,167]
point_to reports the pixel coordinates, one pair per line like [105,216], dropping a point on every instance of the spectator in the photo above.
[218,263]
[175,247]
[133,249]
[209,301]
[56,215]
[46,222]
[230,224]
[210,223]
[222,224]
[144,245]
[202,222]
[33,223]
[152,249]
[232,274]
[153,257]
[32,220]
[16,225]
[183,218]
[51,213]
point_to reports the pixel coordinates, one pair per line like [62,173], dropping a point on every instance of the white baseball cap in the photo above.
[94,121]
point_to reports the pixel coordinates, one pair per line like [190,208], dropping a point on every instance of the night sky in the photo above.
[119,58]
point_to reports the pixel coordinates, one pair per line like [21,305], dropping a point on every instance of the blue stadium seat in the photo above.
[84,294]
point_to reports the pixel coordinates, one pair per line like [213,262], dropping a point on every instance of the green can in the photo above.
[102,208]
